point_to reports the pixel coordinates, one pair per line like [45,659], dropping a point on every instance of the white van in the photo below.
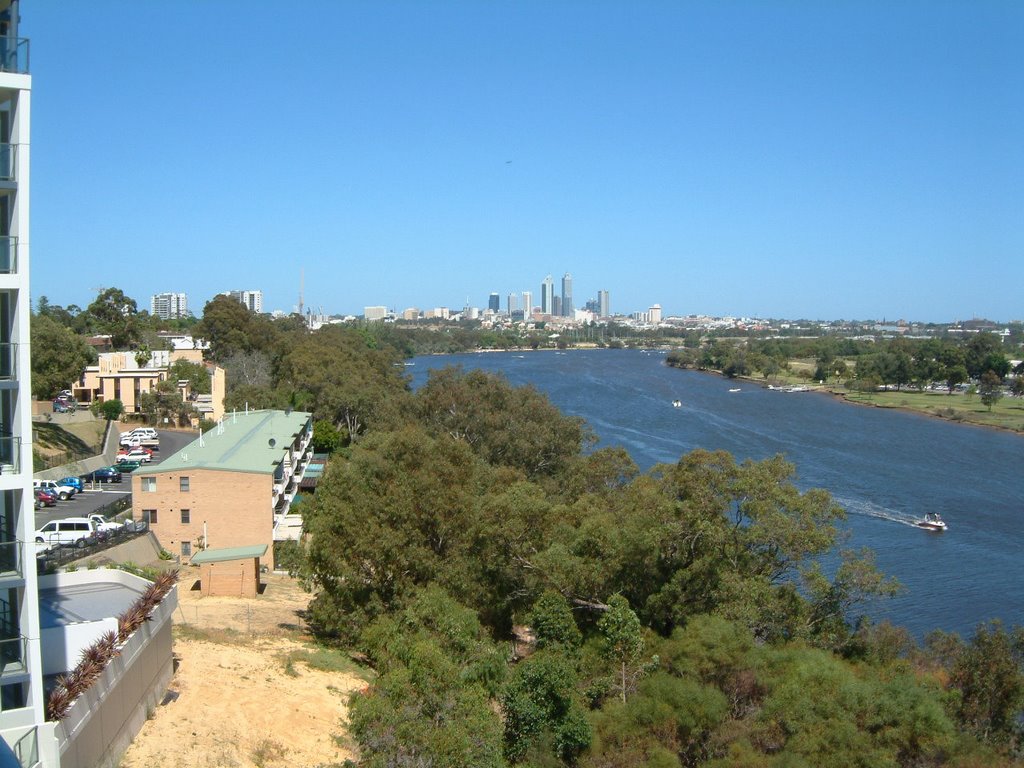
[72,531]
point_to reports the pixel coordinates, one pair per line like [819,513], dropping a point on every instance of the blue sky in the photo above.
[788,159]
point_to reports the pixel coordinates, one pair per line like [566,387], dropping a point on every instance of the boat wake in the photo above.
[868,509]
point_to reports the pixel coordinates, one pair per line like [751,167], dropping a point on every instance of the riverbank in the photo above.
[1007,414]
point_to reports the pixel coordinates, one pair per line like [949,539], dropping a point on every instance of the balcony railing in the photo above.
[8,255]
[8,361]
[14,55]
[8,161]
[12,654]
[10,453]
[26,749]
[10,558]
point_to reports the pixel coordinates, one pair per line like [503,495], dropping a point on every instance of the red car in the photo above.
[45,498]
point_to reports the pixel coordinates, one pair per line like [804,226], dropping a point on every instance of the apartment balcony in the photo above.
[13,653]
[10,559]
[8,361]
[14,55]
[8,253]
[10,454]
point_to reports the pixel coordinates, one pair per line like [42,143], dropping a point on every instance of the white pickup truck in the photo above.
[102,524]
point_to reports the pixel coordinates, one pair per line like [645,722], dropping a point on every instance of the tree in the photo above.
[111,410]
[345,381]
[623,637]
[195,374]
[164,402]
[59,356]
[989,676]
[227,326]
[506,425]
[326,437]
[247,369]
[115,314]
[955,374]
[542,705]
[990,388]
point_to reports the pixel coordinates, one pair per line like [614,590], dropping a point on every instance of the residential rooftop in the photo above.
[253,441]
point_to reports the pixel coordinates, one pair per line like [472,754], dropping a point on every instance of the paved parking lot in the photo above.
[89,501]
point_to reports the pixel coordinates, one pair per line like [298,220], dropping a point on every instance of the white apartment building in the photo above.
[253,300]
[21,676]
[375,313]
[169,306]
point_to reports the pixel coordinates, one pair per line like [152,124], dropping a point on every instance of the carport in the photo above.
[233,571]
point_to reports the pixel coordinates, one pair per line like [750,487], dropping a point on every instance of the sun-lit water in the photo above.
[886,468]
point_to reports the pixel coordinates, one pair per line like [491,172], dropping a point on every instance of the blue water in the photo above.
[885,467]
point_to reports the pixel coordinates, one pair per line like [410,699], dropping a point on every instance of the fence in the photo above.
[59,556]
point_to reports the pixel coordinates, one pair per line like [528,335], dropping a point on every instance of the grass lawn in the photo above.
[1008,413]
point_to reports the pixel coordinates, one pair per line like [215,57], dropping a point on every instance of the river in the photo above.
[885,467]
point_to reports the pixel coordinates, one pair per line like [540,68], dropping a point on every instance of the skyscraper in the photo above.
[547,296]
[494,303]
[604,305]
[252,299]
[568,310]
[527,305]
[169,306]
[513,303]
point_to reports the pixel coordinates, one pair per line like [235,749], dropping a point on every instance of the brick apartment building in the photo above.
[226,487]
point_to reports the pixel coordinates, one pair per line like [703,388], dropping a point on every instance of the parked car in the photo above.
[72,531]
[143,455]
[73,482]
[59,406]
[128,465]
[63,492]
[135,441]
[103,475]
[45,498]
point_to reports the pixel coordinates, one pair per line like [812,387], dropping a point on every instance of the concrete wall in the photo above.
[235,506]
[101,723]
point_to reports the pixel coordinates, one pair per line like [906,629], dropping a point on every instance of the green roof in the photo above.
[229,553]
[254,441]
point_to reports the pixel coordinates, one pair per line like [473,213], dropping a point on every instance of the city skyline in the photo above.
[817,161]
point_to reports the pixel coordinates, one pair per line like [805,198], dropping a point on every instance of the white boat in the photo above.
[735,389]
[677,403]
[932,522]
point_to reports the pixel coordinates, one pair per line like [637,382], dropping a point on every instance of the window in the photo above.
[185,516]
[186,548]
[149,484]
[183,484]
[149,515]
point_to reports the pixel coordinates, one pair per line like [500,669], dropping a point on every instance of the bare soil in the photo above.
[245,692]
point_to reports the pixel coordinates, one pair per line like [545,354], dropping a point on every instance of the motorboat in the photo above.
[735,389]
[932,522]
[677,403]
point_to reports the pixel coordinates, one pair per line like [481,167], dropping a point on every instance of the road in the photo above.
[85,503]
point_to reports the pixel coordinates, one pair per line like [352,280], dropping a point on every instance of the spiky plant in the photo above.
[58,703]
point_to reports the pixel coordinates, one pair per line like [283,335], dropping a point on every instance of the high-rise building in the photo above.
[567,305]
[512,303]
[654,314]
[251,299]
[604,305]
[169,306]
[494,303]
[527,305]
[556,306]
[547,296]
[21,675]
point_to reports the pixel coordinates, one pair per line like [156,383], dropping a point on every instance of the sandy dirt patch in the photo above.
[246,693]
